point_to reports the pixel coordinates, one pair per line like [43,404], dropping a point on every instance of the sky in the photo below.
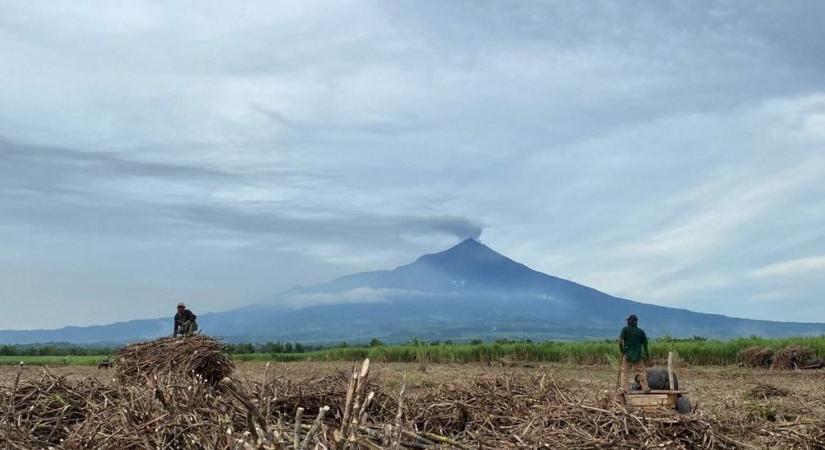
[217,153]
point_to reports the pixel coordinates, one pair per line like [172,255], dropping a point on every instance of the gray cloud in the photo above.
[330,225]
[50,185]
[660,151]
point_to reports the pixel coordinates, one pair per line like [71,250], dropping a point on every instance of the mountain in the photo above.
[468,291]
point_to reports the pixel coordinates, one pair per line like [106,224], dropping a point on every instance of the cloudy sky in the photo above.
[669,152]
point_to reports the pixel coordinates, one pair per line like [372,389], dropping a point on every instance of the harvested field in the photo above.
[448,406]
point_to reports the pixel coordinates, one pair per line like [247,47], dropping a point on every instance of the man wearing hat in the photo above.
[633,345]
[185,323]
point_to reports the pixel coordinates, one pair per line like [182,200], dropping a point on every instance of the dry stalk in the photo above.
[176,409]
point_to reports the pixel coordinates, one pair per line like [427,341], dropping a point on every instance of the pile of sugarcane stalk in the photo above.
[286,396]
[756,357]
[45,411]
[784,358]
[189,356]
[166,411]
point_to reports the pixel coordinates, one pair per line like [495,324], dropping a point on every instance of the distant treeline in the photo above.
[96,350]
[276,347]
[56,350]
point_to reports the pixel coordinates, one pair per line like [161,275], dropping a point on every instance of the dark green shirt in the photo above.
[632,341]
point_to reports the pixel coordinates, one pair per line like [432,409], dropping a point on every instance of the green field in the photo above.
[695,352]
[51,360]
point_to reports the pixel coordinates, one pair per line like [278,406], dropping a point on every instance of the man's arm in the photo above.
[621,342]
[175,328]
[644,345]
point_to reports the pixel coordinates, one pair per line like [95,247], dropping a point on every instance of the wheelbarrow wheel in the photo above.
[683,405]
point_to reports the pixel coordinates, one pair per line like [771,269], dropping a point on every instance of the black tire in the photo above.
[657,378]
[683,405]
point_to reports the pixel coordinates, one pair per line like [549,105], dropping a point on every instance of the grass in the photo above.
[695,352]
[51,360]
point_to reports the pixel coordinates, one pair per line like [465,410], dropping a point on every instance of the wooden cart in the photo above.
[668,399]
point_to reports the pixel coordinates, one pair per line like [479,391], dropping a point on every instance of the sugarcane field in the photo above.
[187,393]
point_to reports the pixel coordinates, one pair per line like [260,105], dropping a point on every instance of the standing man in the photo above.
[633,345]
[185,323]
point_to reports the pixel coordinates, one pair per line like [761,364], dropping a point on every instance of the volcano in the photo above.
[466,292]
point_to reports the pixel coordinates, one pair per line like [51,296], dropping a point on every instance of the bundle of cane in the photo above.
[190,356]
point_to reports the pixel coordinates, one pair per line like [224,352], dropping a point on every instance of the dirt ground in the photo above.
[724,392]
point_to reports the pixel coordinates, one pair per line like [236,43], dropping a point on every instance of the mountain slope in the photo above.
[464,292]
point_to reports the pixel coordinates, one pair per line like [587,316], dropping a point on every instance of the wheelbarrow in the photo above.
[671,398]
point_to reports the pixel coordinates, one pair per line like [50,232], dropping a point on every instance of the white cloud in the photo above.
[792,267]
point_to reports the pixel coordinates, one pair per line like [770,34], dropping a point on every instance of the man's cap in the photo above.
[181,305]
[632,317]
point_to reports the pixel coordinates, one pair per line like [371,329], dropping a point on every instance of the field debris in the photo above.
[793,357]
[193,356]
[176,408]
[312,394]
[536,412]
[47,409]
[756,357]
[765,390]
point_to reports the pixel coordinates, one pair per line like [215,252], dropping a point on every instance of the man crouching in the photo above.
[185,323]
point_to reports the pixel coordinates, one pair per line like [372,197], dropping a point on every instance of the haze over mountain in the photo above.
[468,291]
